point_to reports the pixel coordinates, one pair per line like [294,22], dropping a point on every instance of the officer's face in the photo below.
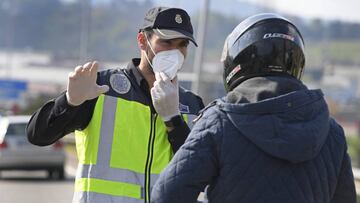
[158,45]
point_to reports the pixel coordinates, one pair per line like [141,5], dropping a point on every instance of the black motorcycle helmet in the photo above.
[264,44]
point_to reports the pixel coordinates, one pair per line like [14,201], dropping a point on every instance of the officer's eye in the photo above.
[166,42]
[184,44]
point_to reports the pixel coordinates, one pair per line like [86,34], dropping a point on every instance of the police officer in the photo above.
[128,122]
[270,139]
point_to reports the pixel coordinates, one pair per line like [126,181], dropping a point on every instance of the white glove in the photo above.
[165,96]
[82,84]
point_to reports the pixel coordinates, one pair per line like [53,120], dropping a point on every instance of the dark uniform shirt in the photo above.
[57,118]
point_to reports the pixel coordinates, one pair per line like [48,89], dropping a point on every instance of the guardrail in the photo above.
[356,172]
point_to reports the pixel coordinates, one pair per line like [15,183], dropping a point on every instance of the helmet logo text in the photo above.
[278,35]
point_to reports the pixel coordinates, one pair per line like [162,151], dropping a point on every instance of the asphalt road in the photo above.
[35,187]
[31,187]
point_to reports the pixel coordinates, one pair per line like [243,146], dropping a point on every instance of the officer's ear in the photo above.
[141,41]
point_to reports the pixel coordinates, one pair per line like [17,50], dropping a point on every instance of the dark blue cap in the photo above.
[169,23]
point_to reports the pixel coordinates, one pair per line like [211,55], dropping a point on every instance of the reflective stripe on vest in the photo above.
[115,174]
[92,197]
[111,161]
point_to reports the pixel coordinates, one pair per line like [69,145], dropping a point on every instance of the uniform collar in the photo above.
[133,67]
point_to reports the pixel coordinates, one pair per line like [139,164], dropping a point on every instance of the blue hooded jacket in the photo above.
[269,140]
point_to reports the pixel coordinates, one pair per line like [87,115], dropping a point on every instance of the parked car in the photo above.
[16,153]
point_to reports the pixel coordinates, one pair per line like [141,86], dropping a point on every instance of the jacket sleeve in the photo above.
[345,187]
[178,136]
[194,165]
[56,119]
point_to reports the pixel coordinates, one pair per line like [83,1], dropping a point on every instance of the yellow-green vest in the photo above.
[121,153]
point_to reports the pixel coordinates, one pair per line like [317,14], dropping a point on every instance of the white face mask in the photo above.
[169,61]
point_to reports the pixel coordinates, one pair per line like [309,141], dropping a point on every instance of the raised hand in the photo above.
[82,84]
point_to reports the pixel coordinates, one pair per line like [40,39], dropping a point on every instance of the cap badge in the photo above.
[178,18]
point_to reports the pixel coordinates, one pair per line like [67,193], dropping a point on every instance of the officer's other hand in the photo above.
[82,84]
[165,96]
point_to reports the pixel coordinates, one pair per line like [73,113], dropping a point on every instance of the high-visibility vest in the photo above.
[121,152]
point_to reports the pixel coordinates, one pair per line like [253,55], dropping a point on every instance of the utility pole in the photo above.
[199,54]
[85,28]
[10,36]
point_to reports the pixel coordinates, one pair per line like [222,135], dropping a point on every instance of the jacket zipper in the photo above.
[149,158]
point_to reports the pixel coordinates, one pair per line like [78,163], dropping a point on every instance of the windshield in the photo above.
[16,129]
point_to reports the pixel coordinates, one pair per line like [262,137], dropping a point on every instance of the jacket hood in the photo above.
[291,126]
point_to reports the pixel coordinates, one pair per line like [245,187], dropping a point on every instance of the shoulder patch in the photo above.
[120,83]
[184,108]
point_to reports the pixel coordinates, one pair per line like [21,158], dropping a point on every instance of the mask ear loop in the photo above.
[146,56]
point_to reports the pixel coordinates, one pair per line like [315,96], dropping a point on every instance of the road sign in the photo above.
[16,85]
[12,89]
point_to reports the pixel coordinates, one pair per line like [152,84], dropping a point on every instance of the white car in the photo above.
[16,153]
